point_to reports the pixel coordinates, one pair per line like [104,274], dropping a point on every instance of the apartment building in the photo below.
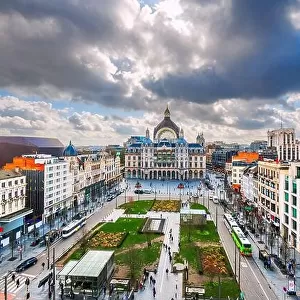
[289,207]
[239,163]
[283,140]
[269,173]
[12,208]
[49,184]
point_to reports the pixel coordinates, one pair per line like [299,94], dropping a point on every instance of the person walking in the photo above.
[167,271]
[13,277]
[18,282]
[43,266]
[154,292]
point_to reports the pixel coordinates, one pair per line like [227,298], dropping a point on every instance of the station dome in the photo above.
[70,150]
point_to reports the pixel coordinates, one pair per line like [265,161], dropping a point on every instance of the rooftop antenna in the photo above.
[280,121]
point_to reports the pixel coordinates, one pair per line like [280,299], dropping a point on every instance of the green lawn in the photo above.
[123,224]
[147,255]
[204,233]
[229,287]
[198,206]
[137,207]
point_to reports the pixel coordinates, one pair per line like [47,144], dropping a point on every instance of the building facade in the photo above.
[167,156]
[269,199]
[239,163]
[289,208]
[12,208]
[287,147]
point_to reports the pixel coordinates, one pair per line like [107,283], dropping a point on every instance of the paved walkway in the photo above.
[168,285]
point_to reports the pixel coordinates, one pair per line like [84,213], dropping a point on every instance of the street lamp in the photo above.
[180,187]
[138,186]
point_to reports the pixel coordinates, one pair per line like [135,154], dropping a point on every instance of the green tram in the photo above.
[241,241]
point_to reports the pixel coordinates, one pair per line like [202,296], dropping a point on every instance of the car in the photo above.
[215,200]
[139,192]
[26,264]
[147,191]
[35,243]
[110,198]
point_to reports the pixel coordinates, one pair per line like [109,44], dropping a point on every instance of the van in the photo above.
[215,200]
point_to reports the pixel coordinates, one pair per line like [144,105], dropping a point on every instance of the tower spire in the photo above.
[167,112]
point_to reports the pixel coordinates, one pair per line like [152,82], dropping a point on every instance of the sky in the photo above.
[96,72]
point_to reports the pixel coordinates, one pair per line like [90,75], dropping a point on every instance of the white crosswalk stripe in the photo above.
[12,285]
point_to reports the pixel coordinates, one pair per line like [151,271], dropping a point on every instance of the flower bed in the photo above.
[107,239]
[166,205]
[213,261]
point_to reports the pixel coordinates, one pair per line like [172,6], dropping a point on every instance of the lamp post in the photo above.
[138,186]
[180,187]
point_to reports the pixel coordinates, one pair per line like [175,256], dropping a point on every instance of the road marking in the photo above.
[258,281]
[243,264]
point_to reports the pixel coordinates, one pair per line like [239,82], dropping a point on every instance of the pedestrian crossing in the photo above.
[12,286]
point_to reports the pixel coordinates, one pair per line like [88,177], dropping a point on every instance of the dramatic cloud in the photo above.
[225,66]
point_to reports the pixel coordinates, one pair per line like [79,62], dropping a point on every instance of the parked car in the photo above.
[147,191]
[139,192]
[26,264]
[35,243]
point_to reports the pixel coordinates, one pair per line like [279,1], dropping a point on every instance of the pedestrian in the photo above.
[13,277]
[18,282]
[43,265]
[169,248]
[154,281]
[151,278]
[170,258]
[154,292]
[172,238]
[167,271]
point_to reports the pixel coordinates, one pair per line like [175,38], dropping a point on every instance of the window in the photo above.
[286,197]
[16,182]
[3,197]
[294,187]
[286,208]
[16,194]
[9,183]
[294,224]
[286,219]
[3,184]
[294,212]
[22,181]
[294,200]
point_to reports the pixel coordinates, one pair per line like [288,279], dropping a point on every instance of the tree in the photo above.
[134,261]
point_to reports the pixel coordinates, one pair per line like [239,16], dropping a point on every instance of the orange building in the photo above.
[24,163]
[248,157]
[239,162]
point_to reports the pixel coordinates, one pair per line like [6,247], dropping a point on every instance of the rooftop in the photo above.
[91,264]
[7,174]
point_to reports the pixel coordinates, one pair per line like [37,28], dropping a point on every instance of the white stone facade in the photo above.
[287,147]
[12,192]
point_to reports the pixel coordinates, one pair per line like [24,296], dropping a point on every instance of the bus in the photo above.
[73,227]
[241,241]
[230,222]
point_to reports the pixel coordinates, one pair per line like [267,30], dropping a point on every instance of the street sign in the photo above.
[248,208]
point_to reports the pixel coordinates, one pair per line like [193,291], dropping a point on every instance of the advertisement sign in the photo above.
[291,290]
